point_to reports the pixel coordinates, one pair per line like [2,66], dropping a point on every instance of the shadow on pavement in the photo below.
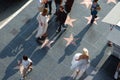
[71,48]
[66,78]
[23,44]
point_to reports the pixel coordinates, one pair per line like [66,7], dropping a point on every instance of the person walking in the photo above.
[43,25]
[61,18]
[94,10]
[80,63]
[25,65]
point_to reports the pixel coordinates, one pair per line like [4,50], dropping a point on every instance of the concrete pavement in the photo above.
[18,38]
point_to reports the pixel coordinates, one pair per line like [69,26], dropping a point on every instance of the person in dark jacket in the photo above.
[68,5]
[61,17]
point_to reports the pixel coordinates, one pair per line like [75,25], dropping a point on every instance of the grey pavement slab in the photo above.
[18,38]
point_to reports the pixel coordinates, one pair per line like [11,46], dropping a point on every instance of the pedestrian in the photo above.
[68,5]
[57,4]
[80,63]
[117,73]
[61,18]
[94,10]
[49,5]
[43,25]
[25,65]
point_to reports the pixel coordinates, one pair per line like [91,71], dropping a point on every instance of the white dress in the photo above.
[82,64]
[42,28]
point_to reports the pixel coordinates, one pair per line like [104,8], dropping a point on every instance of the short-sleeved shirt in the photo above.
[26,63]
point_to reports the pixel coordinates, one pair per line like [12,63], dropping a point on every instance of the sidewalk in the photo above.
[18,38]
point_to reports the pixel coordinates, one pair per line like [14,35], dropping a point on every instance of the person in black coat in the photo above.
[68,5]
[61,17]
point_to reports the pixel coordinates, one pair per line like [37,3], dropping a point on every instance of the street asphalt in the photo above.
[53,63]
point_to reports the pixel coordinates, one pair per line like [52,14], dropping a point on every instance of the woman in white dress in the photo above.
[43,25]
[80,63]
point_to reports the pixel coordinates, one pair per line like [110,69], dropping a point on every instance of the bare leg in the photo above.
[75,74]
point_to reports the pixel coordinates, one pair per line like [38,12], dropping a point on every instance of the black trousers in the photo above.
[49,3]
[93,18]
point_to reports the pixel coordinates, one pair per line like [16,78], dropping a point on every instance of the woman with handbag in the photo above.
[43,25]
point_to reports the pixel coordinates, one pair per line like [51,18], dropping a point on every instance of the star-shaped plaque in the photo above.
[69,21]
[109,1]
[45,43]
[87,3]
[89,19]
[70,40]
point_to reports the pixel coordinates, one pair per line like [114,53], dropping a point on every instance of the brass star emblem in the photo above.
[109,1]
[89,19]
[69,21]
[70,40]
[87,3]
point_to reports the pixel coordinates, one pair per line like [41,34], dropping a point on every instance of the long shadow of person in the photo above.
[23,44]
[71,48]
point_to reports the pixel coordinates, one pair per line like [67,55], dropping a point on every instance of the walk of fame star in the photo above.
[45,43]
[89,19]
[70,40]
[109,1]
[69,21]
[87,3]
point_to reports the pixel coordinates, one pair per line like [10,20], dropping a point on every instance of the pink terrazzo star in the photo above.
[70,40]
[69,21]
[87,3]
[89,19]
[109,1]
[45,43]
